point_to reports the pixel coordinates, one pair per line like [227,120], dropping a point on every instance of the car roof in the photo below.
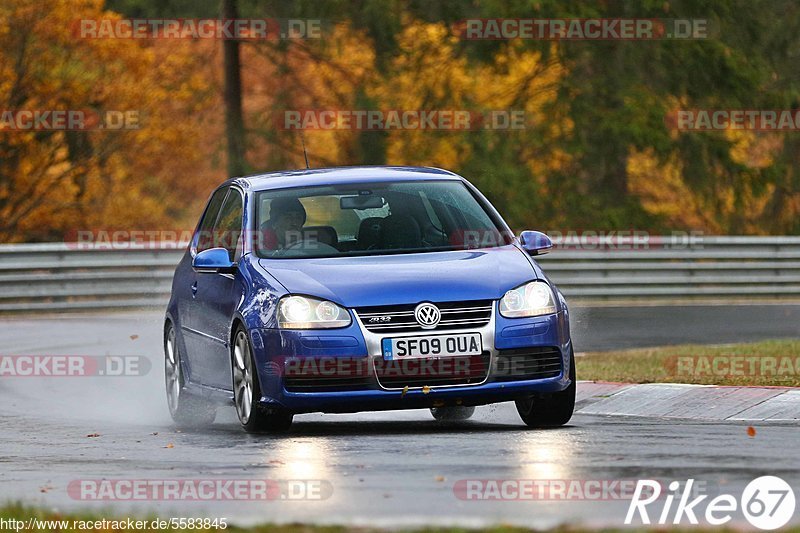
[327,176]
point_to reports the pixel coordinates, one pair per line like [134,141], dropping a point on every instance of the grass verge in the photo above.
[766,363]
[77,523]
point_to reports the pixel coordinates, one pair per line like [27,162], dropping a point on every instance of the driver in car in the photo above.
[285,224]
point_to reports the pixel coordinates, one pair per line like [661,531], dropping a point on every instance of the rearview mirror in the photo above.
[367,201]
[213,261]
[535,242]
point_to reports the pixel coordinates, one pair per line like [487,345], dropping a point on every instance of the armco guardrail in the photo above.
[712,267]
[60,277]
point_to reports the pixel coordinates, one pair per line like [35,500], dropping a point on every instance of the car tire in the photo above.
[186,409]
[254,417]
[452,413]
[553,409]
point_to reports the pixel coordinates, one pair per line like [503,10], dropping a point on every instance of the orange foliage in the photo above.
[53,183]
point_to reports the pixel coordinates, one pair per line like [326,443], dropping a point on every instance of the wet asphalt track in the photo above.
[391,469]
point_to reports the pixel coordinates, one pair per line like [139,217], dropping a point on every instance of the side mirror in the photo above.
[213,261]
[535,242]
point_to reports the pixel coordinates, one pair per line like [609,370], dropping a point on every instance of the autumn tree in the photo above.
[54,182]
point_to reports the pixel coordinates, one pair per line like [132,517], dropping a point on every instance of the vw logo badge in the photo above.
[427,315]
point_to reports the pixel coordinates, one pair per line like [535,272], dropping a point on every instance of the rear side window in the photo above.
[204,238]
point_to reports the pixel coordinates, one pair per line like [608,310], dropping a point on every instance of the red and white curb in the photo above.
[700,402]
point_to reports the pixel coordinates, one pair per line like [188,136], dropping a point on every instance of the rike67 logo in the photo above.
[768,502]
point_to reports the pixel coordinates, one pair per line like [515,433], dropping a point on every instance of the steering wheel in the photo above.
[313,246]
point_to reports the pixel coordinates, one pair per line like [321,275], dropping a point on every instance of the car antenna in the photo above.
[303,140]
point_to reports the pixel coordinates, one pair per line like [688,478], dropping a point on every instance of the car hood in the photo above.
[406,278]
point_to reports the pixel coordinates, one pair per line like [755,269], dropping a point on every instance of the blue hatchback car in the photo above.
[363,289]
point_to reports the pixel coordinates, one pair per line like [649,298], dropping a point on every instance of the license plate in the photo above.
[432,346]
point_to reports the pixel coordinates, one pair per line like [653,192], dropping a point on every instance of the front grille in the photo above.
[465,370]
[527,363]
[400,318]
[311,374]
[327,384]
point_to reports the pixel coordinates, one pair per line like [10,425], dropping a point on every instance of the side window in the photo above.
[204,238]
[228,228]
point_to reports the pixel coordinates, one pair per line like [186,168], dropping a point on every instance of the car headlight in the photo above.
[304,312]
[532,299]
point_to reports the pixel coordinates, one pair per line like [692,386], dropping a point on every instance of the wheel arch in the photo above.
[237,322]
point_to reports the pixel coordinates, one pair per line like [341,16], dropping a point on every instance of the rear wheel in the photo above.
[247,392]
[452,413]
[186,409]
[552,409]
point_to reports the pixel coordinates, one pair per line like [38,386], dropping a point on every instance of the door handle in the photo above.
[194,289]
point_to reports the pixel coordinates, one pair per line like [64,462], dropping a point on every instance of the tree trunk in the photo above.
[234,124]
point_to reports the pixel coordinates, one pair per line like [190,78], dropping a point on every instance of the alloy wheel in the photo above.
[242,377]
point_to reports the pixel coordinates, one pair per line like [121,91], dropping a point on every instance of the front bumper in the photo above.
[358,350]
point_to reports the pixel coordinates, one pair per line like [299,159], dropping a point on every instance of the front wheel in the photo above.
[247,392]
[186,409]
[553,409]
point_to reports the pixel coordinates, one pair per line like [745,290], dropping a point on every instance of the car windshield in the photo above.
[372,219]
